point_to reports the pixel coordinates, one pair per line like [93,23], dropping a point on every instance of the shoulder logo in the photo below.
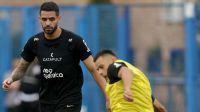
[36,39]
[70,40]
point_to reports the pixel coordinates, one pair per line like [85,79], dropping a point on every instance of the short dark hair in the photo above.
[104,52]
[49,6]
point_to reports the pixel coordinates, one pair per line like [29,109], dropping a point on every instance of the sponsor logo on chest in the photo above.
[49,74]
[52,58]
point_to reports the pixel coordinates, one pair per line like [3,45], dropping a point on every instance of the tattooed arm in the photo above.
[17,74]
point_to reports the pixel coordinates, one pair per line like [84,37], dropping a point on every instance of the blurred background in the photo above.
[161,37]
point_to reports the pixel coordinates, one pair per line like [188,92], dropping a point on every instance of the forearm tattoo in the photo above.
[20,70]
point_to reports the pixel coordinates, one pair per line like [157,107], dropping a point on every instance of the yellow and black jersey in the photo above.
[140,88]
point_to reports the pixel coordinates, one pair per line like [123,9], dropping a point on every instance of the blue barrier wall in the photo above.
[191,58]
[5,52]
[85,21]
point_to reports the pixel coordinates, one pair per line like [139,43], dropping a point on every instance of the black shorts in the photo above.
[60,107]
[29,106]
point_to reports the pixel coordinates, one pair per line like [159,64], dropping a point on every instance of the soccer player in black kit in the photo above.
[59,53]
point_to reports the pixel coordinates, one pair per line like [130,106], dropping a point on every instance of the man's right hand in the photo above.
[7,83]
[128,96]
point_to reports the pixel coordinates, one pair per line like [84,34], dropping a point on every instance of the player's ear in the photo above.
[59,17]
[113,59]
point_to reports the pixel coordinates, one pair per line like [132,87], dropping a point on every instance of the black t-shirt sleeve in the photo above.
[82,49]
[28,53]
[153,98]
[113,70]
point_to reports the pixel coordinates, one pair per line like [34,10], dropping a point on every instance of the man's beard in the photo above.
[51,31]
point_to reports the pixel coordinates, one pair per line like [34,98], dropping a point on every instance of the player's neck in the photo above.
[55,35]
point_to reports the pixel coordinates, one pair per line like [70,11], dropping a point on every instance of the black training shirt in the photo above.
[62,77]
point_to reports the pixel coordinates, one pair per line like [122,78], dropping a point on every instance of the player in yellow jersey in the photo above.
[128,87]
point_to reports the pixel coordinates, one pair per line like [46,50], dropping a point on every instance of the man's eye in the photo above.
[44,19]
[52,19]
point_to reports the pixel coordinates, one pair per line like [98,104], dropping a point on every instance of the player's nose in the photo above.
[48,22]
